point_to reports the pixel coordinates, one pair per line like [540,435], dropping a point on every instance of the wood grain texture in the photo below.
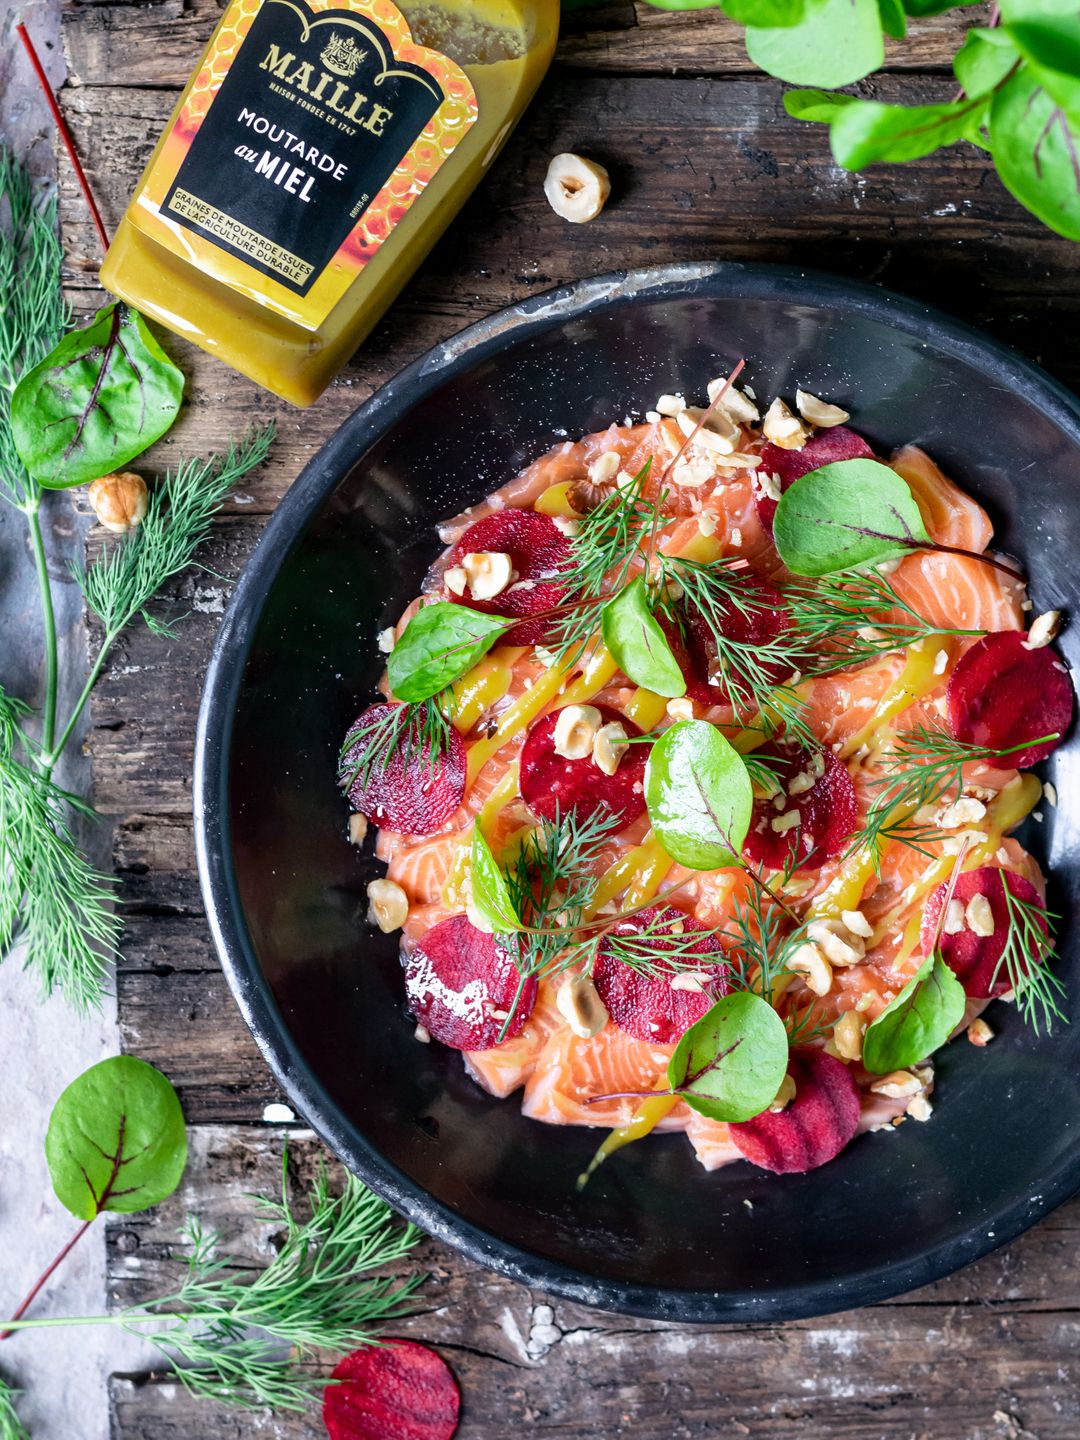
[942,1362]
[705,164]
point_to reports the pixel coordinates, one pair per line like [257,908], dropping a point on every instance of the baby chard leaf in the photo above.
[1035,144]
[490,908]
[116,1139]
[96,401]
[637,643]
[850,513]
[699,796]
[983,61]
[440,643]
[820,105]
[730,1064]
[836,43]
[918,1021]
[868,132]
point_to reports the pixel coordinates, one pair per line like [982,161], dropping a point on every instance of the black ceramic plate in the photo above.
[296,659]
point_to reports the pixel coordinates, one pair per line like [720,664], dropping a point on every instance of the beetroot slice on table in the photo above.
[404,789]
[694,646]
[461,985]
[972,958]
[549,783]
[828,811]
[814,1127]
[538,552]
[649,1009]
[396,1391]
[1001,694]
[823,448]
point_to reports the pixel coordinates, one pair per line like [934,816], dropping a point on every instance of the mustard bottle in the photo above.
[314,158]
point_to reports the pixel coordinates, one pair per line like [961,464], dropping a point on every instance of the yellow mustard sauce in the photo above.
[284,340]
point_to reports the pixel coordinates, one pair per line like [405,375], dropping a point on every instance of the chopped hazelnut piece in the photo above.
[357,828]
[979,916]
[920,1108]
[580,1006]
[575,731]
[839,945]
[782,428]
[954,917]
[857,923]
[811,964]
[736,402]
[388,905]
[896,1086]
[848,1035]
[604,469]
[819,412]
[609,746]
[1043,629]
[681,709]
[693,981]
[387,640]
[455,580]
[979,1033]
[488,572]
[965,811]
[576,188]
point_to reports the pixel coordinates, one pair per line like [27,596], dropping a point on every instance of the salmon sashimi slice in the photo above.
[507,1067]
[571,1071]
[950,516]
[961,592]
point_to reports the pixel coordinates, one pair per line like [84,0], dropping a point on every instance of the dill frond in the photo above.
[245,1340]
[32,314]
[1025,960]
[417,731]
[51,897]
[11,1427]
[122,581]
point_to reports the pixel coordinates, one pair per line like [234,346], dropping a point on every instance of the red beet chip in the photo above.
[395,781]
[765,618]
[549,783]
[814,1128]
[1001,694]
[972,958]
[462,984]
[649,1009]
[823,448]
[537,550]
[396,1391]
[828,811]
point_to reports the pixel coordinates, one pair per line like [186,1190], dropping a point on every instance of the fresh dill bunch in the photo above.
[181,506]
[608,541]
[51,898]
[419,731]
[33,315]
[923,767]
[11,1427]
[850,619]
[1025,962]
[760,944]
[747,670]
[245,1339]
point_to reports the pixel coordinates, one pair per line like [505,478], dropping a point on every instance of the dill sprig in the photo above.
[608,542]
[11,1427]
[923,767]
[122,581]
[33,314]
[1029,947]
[552,887]
[658,951]
[52,900]
[419,731]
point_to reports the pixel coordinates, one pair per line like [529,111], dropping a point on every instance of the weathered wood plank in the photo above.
[943,1363]
[157,44]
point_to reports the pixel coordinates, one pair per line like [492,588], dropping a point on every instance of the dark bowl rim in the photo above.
[313,486]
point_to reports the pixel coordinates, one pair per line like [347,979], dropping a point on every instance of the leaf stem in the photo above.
[16,1322]
[32,510]
[65,135]
[50,758]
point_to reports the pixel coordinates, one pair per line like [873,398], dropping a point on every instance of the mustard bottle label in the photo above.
[307,134]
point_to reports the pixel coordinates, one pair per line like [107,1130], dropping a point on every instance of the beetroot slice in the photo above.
[766,618]
[462,984]
[397,1391]
[537,550]
[972,958]
[1001,694]
[649,1009]
[823,448]
[828,812]
[404,789]
[814,1128]
[549,783]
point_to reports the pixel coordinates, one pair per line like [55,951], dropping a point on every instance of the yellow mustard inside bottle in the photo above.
[314,158]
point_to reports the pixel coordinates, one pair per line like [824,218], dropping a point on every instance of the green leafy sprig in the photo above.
[1029,946]
[418,732]
[919,1020]
[1019,96]
[11,1427]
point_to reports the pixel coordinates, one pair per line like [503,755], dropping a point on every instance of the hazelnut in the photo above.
[784,1095]
[782,428]
[810,963]
[575,731]
[388,905]
[488,572]
[609,746]
[819,412]
[1043,629]
[580,1006]
[847,1035]
[576,188]
[119,500]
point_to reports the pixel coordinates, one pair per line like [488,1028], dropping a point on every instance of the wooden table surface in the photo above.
[705,165]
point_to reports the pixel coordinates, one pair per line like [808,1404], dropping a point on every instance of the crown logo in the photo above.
[342,55]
